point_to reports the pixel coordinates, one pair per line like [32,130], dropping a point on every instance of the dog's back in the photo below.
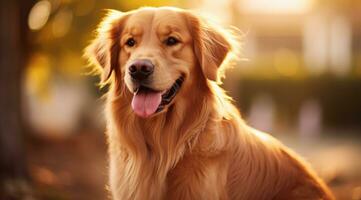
[246,163]
[274,171]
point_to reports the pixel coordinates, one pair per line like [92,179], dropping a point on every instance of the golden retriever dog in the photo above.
[172,131]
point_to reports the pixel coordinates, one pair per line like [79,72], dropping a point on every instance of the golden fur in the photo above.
[198,147]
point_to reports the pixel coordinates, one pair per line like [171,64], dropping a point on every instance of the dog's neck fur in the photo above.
[160,142]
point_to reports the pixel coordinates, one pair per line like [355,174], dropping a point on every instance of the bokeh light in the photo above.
[276,6]
[62,22]
[39,15]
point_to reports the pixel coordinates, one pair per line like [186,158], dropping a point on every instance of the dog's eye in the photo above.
[171,41]
[130,42]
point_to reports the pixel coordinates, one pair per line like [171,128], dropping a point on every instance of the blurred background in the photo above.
[299,78]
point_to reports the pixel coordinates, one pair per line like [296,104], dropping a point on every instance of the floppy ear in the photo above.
[103,51]
[211,46]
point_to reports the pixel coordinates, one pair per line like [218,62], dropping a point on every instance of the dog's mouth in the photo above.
[147,101]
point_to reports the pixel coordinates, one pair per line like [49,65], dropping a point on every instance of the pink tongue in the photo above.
[146,103]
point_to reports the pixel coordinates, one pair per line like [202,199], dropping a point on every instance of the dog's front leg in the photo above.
[198,177]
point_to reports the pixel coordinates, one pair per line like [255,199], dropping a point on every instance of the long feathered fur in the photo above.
[200,148]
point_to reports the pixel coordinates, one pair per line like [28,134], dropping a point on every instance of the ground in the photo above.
[67,169]
[75,168]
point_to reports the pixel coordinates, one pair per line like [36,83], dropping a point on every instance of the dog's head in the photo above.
[156,52]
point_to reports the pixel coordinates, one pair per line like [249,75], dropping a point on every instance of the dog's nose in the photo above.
[141,69]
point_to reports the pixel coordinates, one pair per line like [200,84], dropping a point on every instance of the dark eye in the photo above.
[171,41]
[130,42]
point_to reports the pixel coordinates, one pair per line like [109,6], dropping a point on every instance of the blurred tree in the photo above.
[13,174]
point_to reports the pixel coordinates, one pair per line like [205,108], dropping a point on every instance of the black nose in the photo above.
[141,69]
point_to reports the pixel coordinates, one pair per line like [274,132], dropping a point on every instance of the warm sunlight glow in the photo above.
[286,62]
[39,15]
[277,6]
[217,11]
[62,23]
[38,74]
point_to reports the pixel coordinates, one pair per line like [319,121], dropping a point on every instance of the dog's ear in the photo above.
[211,45]
[103,51]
